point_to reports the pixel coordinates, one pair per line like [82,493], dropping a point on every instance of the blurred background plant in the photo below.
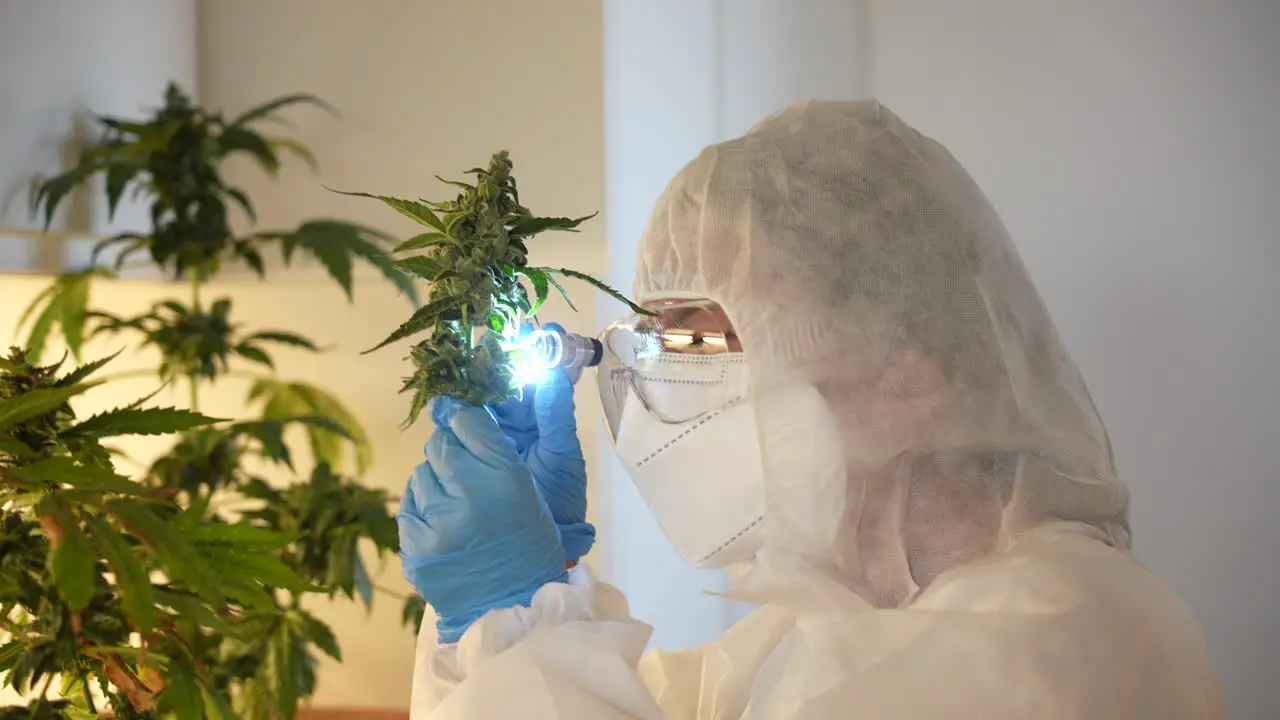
[256,548]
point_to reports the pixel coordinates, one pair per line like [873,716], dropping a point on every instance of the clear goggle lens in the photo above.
[680,364]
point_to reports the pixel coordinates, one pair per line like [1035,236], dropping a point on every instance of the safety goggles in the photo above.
[680,364]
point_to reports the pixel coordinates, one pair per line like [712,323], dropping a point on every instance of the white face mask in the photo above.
[702,478]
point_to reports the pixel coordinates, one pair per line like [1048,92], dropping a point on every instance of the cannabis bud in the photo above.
[475,255]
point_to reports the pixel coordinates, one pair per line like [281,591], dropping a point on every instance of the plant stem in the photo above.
[390,592]
[124,374]
[193,393]
[195,288]
[192,380]
[43,697]
[242,375]
[88,696]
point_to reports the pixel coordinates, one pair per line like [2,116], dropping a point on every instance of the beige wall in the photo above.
[425,87]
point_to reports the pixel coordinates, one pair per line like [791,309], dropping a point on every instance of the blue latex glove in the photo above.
[474,533]
[545,433]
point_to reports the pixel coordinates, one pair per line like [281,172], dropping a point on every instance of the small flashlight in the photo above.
[553,347]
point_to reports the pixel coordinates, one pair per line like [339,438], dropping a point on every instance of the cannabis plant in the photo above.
[174,160]
[260,652]
[474,252]
[107,586]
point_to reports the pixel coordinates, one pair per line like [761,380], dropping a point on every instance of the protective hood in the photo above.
[856,257]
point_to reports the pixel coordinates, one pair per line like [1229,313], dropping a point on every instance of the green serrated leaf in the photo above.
[284,338]
[49,302]
[416,211]
[134,242]
[563,293]
[458,183]
[140,421]
[243,201]
[423,318]
[237,139]
[84,371]
[237,535]
[600,285]
[268,108]
[379,524]
[335,244]
[15,448]
[362,581]
[216,706]
[36,303]
[181,694]
[421,266]
[51,192]
[253,259]
[71,561]
[318,633]
[385,263]
[242,565]
[328,422]
[538,279]
[69,471]
[72,306]
[271,435]
[425,240]
[329,249]
[255,354]
[282,669]
[178,556]
[298,149]
[192,608]
[38,402]
[118,176]
[131,576]
[341,570]
[414,609]
[529,226]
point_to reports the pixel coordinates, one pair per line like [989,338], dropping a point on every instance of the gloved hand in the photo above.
[474,533]
[545,432]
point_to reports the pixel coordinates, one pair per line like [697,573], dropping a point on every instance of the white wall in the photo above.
[1131,148]
[680,75]
[61,60]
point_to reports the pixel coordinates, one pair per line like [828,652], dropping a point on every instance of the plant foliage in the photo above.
[90,557]
[173,160]
[474,252]
[181,592]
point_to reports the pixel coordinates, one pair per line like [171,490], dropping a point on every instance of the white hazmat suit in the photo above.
[943,534]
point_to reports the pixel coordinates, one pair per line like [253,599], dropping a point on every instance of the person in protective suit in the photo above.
[852,399]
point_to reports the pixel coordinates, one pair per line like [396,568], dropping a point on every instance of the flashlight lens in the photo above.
[534,356]
[548,346]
